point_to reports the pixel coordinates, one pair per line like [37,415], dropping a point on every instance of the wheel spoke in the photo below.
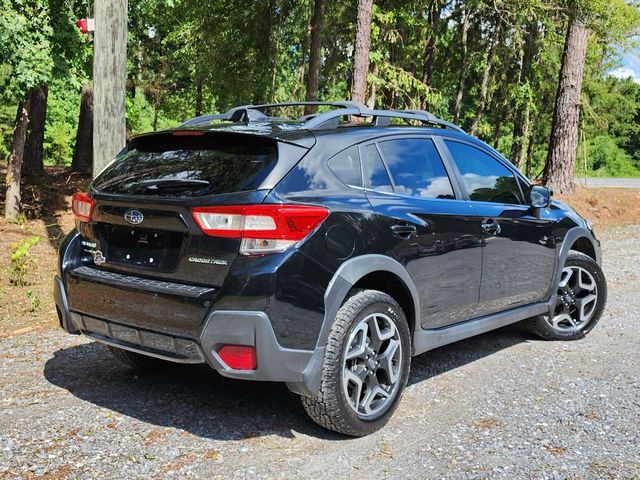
[560,318]
[378,336]
[586,281]
[583,303]
[567,273]
[386,361]
[350,377]
[371,395]
[358,341]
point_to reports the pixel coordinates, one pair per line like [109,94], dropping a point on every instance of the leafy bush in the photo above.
[606,158]
[140,115]
[34,299]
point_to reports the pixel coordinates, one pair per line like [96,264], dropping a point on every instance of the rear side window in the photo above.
[164,165]
[485,179]
[346,166]
[416,168]
[375,174]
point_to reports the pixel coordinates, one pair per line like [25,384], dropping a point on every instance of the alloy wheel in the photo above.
[576,301]
[372,365]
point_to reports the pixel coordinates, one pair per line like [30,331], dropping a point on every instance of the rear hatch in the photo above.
[142,221]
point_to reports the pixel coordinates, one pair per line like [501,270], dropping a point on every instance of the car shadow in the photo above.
[196,399]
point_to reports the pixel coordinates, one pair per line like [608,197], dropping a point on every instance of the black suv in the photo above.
[323,251]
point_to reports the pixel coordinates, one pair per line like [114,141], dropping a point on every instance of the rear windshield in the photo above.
[189,166]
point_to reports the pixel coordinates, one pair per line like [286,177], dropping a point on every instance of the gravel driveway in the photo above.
[500,405]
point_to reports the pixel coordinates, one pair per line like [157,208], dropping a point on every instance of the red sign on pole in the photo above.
[86,25]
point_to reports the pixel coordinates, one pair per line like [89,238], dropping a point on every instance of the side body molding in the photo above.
[343,280]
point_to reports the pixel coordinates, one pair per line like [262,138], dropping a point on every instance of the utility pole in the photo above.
[109,81]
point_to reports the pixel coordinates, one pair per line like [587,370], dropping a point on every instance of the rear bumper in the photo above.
[221,327]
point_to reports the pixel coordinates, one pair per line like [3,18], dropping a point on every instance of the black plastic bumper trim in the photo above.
[60,299]
[147,342]
[140,283]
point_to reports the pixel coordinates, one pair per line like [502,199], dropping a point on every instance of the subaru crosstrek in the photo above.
[323,251]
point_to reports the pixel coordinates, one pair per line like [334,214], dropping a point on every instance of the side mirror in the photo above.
[540,197]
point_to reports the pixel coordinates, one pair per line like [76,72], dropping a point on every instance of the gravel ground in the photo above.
[502,405]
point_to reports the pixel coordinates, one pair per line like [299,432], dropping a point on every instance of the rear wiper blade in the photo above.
[164,183]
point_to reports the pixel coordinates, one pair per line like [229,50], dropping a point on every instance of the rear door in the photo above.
[425,226]
[518,247]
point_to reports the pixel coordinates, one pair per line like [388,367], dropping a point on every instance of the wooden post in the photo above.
[109,81]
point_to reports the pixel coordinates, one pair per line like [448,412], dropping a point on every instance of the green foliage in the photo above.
[605,158]
[34,300]
[21,260]
[61,122]
[25,48]
[140,115]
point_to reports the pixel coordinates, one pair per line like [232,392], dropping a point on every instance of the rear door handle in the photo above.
[404,231]
[490,227]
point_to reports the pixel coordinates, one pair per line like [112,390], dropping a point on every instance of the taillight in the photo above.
[262,228]
[82,206]
[239,357]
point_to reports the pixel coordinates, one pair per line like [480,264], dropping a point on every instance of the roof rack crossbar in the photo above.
[325,120]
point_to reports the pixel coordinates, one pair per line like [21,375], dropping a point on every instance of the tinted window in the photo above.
[346,166]
[164,165]
[416,168]
[375,175]
[485,179]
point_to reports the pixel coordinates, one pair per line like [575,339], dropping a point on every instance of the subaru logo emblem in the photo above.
[134,217]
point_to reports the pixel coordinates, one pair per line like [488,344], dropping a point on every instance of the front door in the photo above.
[519,252]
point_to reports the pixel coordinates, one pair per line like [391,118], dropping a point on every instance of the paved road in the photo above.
[609,182]
[502,405]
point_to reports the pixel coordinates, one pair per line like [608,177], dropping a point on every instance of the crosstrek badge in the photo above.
[208,261]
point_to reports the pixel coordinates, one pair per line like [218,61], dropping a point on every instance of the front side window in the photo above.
[416,168]
[485,179]
[375,175]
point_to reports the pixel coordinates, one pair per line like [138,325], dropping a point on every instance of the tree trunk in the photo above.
[109,81]
[561,157]
[530,149]
[430,45]
[521,121]
[361,51]
[464,64]
[276,53]
[302,65]
[313,78]
[484,84]
[83,150]
[373,92]
[156,106]
[199,97]
[497,131]
[14,167]
[32,165]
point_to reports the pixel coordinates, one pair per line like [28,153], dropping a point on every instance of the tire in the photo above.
[378,394]
[571,299]
[137,361]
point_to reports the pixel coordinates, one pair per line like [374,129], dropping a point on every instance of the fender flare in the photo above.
[569,239]
[349,273]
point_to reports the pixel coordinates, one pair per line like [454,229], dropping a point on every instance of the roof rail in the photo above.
[327,120]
